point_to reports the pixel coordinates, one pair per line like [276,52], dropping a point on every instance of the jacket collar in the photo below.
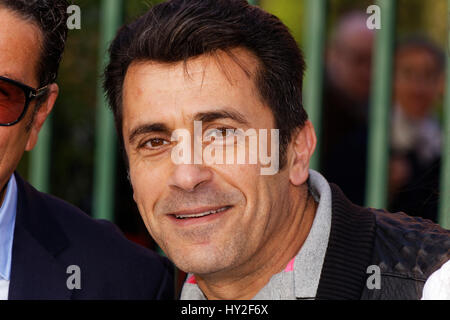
[349,251]
[36,273]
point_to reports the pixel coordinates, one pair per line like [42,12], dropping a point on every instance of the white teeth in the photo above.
[202,214]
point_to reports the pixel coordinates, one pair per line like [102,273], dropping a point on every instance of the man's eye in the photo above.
[220,133]
[156,143]
[221,136]
[4,94]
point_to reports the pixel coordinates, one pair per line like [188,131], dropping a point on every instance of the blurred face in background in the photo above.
[349,58]
[20,48]
[418,81]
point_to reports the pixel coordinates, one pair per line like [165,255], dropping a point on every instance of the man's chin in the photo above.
[200,264]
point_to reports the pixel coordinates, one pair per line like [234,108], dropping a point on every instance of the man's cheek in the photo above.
[140,176]
[144,205]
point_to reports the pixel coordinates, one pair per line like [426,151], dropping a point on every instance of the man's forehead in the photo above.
[232,64]
[241,108]
[20,45]
[175,94]
[196,82]
[415,52]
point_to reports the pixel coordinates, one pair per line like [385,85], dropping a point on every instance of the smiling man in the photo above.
[48,248]
[238,233]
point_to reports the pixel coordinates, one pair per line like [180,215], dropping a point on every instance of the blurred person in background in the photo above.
[345,103]
[415,130]
[50,249]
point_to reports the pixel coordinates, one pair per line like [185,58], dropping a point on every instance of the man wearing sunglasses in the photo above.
[48,248]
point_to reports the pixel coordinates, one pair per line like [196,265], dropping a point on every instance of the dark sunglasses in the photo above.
[15,97]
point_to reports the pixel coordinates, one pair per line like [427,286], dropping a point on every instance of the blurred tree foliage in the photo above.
[290,12]
[74,120]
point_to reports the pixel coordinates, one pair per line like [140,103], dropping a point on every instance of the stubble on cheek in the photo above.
[198,235]
[201,250]
[210,257]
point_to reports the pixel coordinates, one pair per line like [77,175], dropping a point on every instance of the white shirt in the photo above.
[7,223]
[424,137]
[4,289]
[437,286]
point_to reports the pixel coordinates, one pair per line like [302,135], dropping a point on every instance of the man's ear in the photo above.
[41,115]
[302,150]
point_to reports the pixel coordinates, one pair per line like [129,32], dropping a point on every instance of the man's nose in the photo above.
[189,176]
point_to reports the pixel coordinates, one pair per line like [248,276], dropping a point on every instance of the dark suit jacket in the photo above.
[50,235]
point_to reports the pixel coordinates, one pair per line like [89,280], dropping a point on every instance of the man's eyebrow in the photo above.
[148,128]
[12,77]
[211,116]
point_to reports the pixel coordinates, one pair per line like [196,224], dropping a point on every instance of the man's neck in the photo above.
[273,258]
[3,193]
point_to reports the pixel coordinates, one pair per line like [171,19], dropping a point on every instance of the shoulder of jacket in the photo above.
[409,247]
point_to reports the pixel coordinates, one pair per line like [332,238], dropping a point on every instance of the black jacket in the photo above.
[406,249]
[50,235]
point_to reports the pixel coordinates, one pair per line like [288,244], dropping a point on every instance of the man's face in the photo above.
[418,82]
[160,98]
[19,51]
[351,61]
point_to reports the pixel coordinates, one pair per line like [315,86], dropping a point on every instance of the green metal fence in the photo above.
[104,170]
[315,26]
[379,125]
[315,22]
[444,207]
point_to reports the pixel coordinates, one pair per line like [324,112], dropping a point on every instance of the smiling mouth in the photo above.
[197,215]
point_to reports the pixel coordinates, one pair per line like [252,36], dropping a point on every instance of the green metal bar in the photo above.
[315,28]
[444,203]
[40,159]
[379,125]
[105,153]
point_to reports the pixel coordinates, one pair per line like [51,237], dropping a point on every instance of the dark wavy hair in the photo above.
[178,30]
[50,16]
